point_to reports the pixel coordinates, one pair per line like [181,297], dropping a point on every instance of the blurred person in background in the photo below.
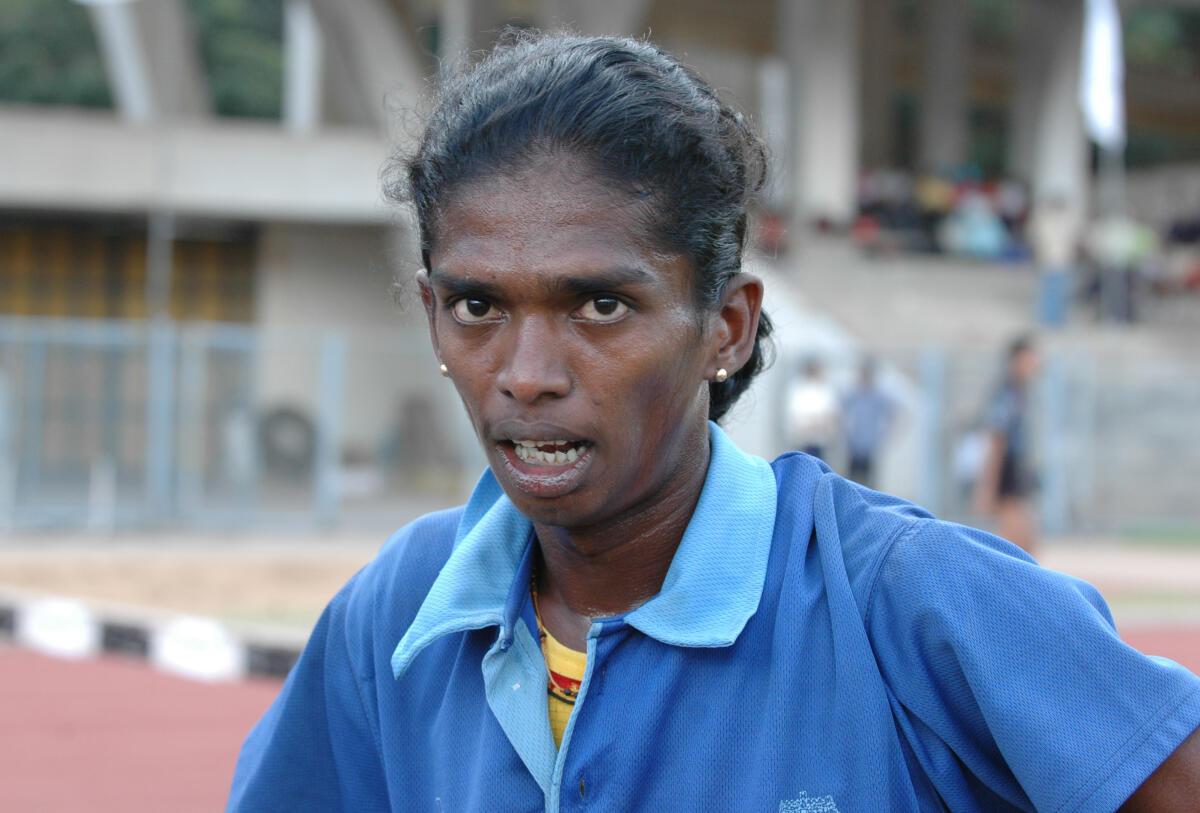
[812,411]
[631,613]
[1006,483]
[867,416]
[1012,204]
[1054,232]
[935,196]
[1121,252]
[973,229]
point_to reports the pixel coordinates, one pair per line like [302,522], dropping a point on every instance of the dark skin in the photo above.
[1174,786]
[525,269]
[558,316]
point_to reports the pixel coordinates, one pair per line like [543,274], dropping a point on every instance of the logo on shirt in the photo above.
[808,804]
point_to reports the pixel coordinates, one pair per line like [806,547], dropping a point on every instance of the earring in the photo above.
[721,375]
[444,370]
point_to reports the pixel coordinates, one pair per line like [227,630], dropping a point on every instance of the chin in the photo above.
[562,512]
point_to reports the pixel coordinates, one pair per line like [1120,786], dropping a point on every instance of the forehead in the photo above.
[545,220]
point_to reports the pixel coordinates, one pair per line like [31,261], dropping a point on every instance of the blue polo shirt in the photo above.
[816,646]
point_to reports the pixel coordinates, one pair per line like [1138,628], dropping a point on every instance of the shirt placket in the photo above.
[565,782]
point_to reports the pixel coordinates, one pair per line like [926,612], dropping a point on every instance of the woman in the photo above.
[1006,481]
[742,635]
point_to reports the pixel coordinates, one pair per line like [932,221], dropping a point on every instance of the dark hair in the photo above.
[1019,345]
[646,125]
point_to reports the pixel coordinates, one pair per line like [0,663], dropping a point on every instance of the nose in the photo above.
[535,365]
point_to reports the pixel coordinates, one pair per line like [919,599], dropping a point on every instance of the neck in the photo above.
[612,567]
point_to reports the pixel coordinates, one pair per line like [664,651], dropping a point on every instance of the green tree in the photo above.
[241,44]
[49,55]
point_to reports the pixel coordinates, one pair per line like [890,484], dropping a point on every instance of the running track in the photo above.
[111,734]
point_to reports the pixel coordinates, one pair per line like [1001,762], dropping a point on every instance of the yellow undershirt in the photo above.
[567,667]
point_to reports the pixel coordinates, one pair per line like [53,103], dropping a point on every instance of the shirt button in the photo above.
[582,789]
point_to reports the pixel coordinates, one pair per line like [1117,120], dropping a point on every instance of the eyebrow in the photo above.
[463,286]
[606,280]
[600,282]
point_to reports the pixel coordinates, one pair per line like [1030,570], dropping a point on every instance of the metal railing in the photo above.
[108,425]
[1115,443]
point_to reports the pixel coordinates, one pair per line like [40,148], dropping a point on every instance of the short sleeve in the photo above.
[315,748]
[1002,412]
[1010,682]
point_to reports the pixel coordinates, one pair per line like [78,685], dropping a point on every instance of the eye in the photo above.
[602,309]
[470,311]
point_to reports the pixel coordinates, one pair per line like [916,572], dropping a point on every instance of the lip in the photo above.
[534,430]
[535,479]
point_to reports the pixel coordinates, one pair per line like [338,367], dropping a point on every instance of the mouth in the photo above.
[549,452]
[546,467]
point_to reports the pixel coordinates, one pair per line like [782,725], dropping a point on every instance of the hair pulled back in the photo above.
[646,124]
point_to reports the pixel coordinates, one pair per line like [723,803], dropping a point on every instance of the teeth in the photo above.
[529,452]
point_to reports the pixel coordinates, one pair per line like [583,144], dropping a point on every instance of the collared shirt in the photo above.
[822,648]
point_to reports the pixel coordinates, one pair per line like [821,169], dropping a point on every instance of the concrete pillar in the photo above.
[456,27]
[943,125]
[1030,58]
[302,67]
[820,42]
[878,31]
[774,117]
[1059,157]
[125,63]
[375,49]
[151,58]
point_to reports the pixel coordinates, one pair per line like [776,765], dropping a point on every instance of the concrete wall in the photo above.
[315,281]
[76,161]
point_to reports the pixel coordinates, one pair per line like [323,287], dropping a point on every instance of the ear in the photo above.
[429,301]
[735,325]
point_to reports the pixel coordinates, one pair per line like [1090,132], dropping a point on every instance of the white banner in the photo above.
[1102,75]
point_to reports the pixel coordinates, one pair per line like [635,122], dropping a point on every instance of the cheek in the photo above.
[654,381]
[471,349]
[472,368]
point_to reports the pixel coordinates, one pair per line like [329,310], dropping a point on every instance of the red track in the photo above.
[1179,643]
[113,735]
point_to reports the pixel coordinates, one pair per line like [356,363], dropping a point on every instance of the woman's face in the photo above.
[576,346]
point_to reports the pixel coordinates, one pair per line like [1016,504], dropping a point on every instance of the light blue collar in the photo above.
[712,588]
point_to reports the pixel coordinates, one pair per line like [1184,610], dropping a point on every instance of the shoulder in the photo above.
[852,526]
[952,575]
[389,590]
[892,553]
[420,548]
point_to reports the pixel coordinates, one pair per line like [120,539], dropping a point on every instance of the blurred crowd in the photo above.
[849,427]
[1108,263]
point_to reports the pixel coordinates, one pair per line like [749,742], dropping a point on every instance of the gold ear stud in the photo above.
[721,375]
[444,370]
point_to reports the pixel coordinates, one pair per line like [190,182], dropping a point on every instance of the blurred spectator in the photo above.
[867,416]
[1054,231]
[974,229]
[1006,482]
[1121,252]
[812,412]
[955,214]
[1181,261]
[934,196]
[1012,204]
